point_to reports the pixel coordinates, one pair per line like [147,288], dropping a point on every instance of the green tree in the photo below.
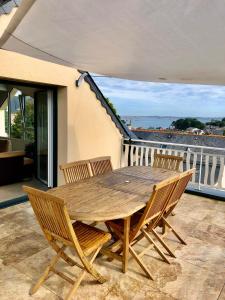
[183,124]
[18,129]
[217,123]
[112,107]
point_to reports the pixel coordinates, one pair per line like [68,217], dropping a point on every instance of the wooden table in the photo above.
[115,195]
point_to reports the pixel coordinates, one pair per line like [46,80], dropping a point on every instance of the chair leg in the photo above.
[174,232]
[163,228]
[138,260]
[126,236]
[90,269]
[81,277]
[163,243]
[155,246]
[64,256]
[47,271]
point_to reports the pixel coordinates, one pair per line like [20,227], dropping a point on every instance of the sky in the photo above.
[138,98]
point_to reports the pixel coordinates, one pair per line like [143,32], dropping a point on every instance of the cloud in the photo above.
[164,99]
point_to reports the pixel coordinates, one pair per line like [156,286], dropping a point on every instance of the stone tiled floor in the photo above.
[15,190]
[197,273]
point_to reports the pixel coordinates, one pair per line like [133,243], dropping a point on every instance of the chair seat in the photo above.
[90,238]
[119,223]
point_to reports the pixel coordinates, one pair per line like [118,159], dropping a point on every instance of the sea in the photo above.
[150,122]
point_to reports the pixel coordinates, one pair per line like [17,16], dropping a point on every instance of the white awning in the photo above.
[152,40]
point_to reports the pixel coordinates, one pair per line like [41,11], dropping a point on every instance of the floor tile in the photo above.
[194,283]
[210,233]
[14,285]
[15,248]
[222,294]
[202,254]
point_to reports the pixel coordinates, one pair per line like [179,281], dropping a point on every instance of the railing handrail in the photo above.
[174,144]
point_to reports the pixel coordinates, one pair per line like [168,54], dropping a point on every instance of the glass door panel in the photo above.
[42,136]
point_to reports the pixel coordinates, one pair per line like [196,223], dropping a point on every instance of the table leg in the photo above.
[126,236]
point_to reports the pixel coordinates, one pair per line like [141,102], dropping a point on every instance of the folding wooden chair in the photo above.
[76,171]
[143,222]
[169,162]
[101,165]
[56,225]
[178,192]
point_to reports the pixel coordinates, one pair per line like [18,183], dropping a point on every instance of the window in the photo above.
[16,114]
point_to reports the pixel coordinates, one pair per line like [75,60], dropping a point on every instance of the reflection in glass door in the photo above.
[44,136]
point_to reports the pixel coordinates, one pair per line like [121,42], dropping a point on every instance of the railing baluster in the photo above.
[179,153]
[126,155]
[193,180]
[137,156]
[169,152]
[141,158]
[146,155]
[188,158]
[200,170]
[213,170]
[221,172]
[132,155]
[152,155]
[206,175]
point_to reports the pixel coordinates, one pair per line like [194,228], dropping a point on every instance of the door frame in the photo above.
[53,88]
[52,134]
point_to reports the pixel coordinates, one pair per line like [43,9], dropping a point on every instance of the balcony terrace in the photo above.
[198,272]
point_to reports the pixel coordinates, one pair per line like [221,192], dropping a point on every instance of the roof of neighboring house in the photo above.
[6,6]
[124,130]
[217,141]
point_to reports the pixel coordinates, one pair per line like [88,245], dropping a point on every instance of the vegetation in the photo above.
[217,123]
[18,129]
[183,124]
[112,107]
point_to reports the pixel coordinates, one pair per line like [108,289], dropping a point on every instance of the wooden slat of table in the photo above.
[127,183]
[153,174]
[114,195]
[92,202]
[136,180]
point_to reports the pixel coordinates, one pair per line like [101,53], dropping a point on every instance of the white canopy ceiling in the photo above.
[152,40]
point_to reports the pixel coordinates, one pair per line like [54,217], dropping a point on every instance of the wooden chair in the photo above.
[185,177]
[169,162]
[143,222]
[101,165]
[56,225]
[76,171]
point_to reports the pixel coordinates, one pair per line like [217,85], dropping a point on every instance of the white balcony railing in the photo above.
[208,161]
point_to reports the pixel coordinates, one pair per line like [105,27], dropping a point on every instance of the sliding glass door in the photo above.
[44,136]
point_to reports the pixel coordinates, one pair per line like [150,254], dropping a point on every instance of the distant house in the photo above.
[195,130]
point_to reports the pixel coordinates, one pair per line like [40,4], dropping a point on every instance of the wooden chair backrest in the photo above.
[157,203]
[55,222]
[101,165]
[180,188]
[51,214]
[76,171]
[169,162]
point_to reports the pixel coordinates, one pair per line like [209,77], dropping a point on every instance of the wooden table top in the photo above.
[114,195]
